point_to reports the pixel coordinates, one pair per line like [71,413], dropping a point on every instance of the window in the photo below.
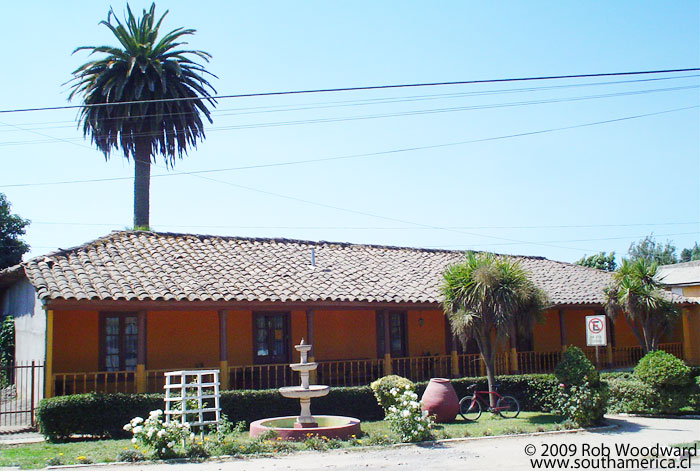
[119,339]
[397,333]
[271,337]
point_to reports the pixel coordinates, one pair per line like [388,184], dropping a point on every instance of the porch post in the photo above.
[223,350]
[310,341]
[562,331]
[609,347]
[48,367]
[691,343]
[514,368]
[387,343]
[454,357]
[141,380]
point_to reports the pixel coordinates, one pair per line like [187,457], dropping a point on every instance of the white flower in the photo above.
[405,413]
[393,391]
[137,429]
[162,450]
[171,444]
[133,440]
[136,420]
[161,433]
[191,436]
[127,427]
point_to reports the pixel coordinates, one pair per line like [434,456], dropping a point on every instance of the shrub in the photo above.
[383,386]
[637,397]
[661,369]
[406,418]
[99,415]
[575,369]
[534,392]
[583,404]
[165,439]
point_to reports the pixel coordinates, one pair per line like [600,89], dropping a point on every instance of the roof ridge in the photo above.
[298,241]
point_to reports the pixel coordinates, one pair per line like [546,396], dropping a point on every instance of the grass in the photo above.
[37,455]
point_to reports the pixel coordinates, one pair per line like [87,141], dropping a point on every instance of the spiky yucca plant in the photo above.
[484,297]
[145,96]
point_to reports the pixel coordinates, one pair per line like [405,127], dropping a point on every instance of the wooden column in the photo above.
[609,347]
[223,350]
[48,368]
[454,357]
[691,327]
[310,341]
[513,366]
[387,343]
[562,330]
[141,379]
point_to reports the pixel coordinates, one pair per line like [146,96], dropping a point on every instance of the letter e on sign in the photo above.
[596,331]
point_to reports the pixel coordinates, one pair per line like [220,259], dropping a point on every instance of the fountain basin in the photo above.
[330,426]
[297,392]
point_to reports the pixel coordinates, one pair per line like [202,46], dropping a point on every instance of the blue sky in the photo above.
[614,183]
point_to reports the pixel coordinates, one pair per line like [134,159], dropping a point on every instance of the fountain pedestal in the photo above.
[305,425]
[304,392]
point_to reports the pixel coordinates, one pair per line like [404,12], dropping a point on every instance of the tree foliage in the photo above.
[485,297]
[652,251]
[163,90]
[646,306]
[692,254]
[601,261]
[11,228]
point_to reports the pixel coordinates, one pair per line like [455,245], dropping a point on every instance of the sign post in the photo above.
[596,334]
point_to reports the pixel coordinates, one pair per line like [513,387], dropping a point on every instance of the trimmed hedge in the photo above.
[104,415]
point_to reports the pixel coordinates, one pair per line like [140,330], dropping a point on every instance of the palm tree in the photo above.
[163,92]
[646,306]
[485,296]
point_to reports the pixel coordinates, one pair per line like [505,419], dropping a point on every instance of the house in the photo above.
[684,279]
[115,313]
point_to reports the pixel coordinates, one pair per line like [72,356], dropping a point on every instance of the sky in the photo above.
[434,167]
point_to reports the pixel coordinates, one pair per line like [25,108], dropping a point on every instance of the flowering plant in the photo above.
[406,417]
[164,438]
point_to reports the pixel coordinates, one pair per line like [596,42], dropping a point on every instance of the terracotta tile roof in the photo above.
[164,266]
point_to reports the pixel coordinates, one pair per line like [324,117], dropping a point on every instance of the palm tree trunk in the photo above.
[142,184]
[486,349]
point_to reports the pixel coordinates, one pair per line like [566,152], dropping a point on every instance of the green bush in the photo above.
[633,396]
[100,415]
[383,386]
[575,369]
[583,404]
[104,415]
[661,369]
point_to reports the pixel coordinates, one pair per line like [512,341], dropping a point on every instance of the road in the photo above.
[493,453]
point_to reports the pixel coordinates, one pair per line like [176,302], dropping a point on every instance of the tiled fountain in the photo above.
[299,427]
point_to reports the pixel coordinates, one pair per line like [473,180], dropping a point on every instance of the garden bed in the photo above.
[376,433]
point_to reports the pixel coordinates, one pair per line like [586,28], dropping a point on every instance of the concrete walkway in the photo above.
[493,453]
[19,436]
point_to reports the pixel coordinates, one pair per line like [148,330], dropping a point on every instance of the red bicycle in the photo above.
[470,407]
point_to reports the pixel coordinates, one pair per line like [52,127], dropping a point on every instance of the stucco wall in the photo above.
[20,301]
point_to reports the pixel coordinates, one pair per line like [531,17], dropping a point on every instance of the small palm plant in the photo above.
[145,96]
[647,308]
[484,297]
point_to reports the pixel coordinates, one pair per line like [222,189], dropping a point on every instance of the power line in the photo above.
[354,89]
[354,156]
[369,101]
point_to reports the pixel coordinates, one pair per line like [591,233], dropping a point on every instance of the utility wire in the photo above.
[354,89]
[354,156]
[377,116]
[368,101]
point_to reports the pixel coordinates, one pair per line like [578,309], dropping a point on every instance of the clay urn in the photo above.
[440,400]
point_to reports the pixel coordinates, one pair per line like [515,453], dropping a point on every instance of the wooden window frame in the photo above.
[404,332]
[286,316]
[122,338]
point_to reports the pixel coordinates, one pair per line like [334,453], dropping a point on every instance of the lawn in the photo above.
[38,455]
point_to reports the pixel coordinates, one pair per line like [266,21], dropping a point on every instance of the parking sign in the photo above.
[596,331]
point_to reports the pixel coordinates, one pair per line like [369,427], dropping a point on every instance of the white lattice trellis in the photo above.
[186,387]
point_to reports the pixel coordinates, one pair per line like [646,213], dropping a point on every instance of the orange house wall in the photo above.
[546,336]
[182,339]
[239,337]
[75,341]
[345,335]
[428,339]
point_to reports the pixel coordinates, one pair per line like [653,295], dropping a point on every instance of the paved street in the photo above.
[474,454]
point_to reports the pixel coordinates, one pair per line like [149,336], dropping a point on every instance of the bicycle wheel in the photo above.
[508,407]
[469,408]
